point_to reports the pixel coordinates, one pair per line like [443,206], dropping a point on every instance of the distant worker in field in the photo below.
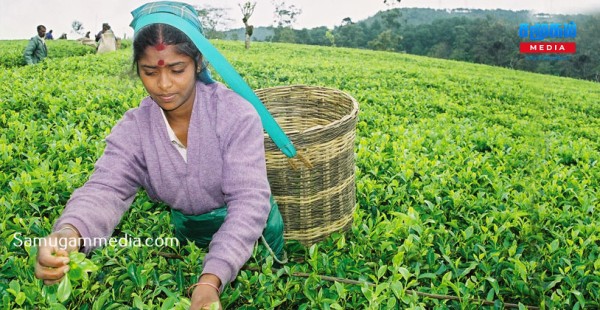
[108,41]
[49,35]
[105,27]
[36,49]
[193,144]
[86,40]
[99,34]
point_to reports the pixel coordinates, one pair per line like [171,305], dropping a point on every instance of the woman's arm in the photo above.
[96,208]
[245,187]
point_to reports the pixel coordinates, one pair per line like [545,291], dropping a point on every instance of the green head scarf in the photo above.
[185,18]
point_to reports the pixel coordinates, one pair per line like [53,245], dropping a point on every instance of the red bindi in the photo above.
[160,46]
[161,62]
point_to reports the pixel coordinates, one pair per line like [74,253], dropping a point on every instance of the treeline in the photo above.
[480,36]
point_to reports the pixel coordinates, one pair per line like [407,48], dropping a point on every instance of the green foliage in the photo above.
[478,36]
[12,51]
[472,181]
[75,283]
[126,44]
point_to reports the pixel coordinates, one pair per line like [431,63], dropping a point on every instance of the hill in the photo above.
[479,36]
[419,16]
[472,181]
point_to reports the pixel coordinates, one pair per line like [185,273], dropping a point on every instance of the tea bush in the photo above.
[12,51]
[472,181]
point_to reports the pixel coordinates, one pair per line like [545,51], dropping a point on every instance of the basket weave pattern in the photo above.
[319,199]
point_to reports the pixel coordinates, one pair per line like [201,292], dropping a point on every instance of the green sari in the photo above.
[201,228]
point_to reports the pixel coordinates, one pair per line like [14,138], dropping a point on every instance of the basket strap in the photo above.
[227,72]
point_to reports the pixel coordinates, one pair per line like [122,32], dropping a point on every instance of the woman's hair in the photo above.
[156,34]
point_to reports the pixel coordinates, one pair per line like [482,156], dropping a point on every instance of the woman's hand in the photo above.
[206,293]
[53,254]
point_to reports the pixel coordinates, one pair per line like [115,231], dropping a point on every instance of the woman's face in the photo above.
[169,77]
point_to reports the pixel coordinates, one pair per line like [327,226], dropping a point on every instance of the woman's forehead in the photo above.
[160,46]
[165,52]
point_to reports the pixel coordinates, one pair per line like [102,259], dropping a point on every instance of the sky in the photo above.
[19,18]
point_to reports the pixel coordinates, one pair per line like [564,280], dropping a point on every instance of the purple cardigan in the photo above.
[226,165]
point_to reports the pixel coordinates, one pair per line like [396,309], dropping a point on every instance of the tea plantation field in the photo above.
[12,51]
[476,185]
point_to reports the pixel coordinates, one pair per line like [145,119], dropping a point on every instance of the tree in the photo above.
[77,27]
[286,35]
[285,15]
[347,21]
[318,36]
[392,19]
[247,10]
[385,41]
[211,19]
[384,33]
[330,37]
[351,35]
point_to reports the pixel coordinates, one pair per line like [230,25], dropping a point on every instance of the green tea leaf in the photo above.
[75,272]
[64,289]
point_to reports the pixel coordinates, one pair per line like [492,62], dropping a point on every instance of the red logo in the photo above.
[547,47]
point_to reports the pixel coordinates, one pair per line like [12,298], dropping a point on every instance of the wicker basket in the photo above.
[316,197]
